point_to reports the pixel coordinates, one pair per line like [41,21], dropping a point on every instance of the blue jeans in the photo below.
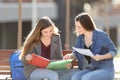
[99,74]
[39,74]
[66,74]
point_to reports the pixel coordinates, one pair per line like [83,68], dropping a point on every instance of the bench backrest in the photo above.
[4,56]
[4,61]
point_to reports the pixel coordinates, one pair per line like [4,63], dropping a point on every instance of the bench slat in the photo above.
[4,61]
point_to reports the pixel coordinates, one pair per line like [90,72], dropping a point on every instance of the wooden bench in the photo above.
[4,60]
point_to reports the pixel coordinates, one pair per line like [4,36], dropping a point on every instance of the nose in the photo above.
[49,34]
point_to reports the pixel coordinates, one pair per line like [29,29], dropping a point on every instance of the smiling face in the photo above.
[47,32]
[79,28]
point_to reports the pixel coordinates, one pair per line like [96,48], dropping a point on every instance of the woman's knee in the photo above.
[75,77]
[39,74]
[53,76]
[85,78]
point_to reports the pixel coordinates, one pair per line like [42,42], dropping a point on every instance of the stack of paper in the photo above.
[86,52]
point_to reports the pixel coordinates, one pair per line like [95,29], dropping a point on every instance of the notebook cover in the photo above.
[58,65]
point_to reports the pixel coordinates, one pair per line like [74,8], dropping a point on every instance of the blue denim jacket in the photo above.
[101,45]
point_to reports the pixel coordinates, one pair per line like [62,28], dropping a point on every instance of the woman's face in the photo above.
[79,28]
[48,32]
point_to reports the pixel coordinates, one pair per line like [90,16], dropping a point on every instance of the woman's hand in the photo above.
[28,57]
[68,66]
[68,56]
[96,57]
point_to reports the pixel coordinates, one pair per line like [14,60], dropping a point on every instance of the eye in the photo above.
[51,30]
[44,31]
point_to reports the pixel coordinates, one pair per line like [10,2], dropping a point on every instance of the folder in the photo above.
[58,65]
[39,61]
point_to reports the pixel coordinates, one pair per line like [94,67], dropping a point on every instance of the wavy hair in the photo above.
[34,36]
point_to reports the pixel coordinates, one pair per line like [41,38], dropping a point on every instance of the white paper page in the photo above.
[86,52]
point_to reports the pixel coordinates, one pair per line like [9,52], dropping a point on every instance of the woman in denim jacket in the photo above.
[100,66]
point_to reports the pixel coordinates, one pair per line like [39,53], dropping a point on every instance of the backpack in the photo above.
[16,66]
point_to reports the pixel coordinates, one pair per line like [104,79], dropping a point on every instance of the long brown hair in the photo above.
[35,35]
[86,21]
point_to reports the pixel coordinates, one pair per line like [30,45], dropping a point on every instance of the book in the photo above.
[39,61]
[86,52]
[58,65]
[42,62]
